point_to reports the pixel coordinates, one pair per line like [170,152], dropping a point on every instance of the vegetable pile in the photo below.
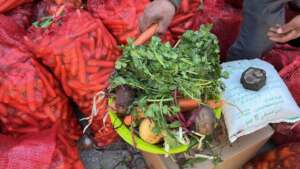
[165,90]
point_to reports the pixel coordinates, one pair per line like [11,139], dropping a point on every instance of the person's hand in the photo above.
[287,32]
[158,11]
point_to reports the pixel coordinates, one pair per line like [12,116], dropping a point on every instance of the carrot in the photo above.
[145,36]
[180,19]
[101,74]
[188,24]
[74,64]
[214,105]
[128,120]
[187,104]
[86,29]
[100,79]
[49,113]
[29,120]
[184,6]
[64,82]
[101,63]
[81,65]
[46,83]
[178,30]
[3,111]
[30,97]
[25,130]
[92,69]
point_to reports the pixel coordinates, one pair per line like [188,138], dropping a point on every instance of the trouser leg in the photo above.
[259,16]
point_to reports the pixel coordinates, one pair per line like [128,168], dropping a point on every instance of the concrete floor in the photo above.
[117,156]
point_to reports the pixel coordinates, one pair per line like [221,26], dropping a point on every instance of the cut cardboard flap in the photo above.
[233,156]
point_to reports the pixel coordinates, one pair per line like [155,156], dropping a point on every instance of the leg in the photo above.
[259,16]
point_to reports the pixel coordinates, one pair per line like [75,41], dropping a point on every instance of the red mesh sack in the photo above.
[286,133]
[66,155]
[30,151]
[119,16]
[6,5]
[236,3]
[22,15]
[281,56]
[286,156]
[226,22]
[82,54]
[11,33]
[291,76]
[47,8]
[182,21]
[31,101]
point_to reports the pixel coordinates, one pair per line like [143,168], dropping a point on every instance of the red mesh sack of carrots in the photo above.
[29,151]
[30,103]
[281,56]
[11,33]
[81,53]
[39,150]
[119,16]
[22,15]
[226,22]
[66,155]
[6,5]
[286,156]
[182,21]
[30,97]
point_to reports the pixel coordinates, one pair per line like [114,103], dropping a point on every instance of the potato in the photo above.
[146,132]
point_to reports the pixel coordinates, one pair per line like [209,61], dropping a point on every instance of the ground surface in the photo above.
[117,156]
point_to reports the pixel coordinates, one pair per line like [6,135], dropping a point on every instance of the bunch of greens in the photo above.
[157,70]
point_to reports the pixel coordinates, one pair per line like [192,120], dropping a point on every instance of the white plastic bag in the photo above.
[247,111]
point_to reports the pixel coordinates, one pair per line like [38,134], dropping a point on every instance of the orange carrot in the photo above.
[145,36]
[81,65]
[187,104]
[128,120]
[30,97]
[92,69]
[74,65]
[215,104]
[49,113]
[57,66]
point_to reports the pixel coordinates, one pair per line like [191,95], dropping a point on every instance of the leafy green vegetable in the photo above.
[157,70]
[45,22]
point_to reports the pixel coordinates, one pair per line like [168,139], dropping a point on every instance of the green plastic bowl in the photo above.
[140,144]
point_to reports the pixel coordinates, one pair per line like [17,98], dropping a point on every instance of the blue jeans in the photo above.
[259,16]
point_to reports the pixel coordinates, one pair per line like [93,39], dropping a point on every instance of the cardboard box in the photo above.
[233,156]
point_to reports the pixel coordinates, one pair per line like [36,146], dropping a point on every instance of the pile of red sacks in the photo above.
[35,115]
